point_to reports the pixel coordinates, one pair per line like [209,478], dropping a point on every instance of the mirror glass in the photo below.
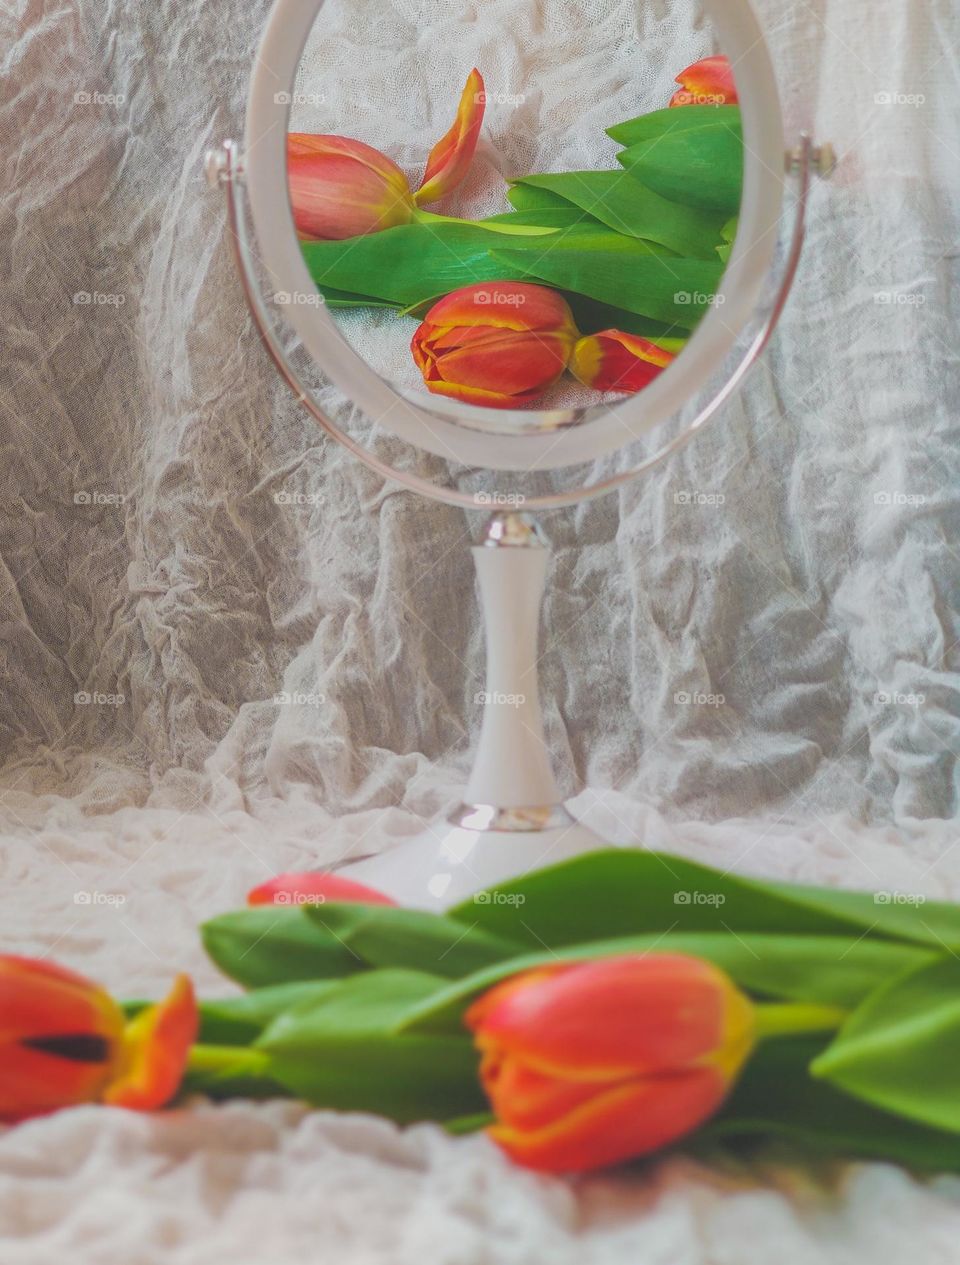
[515,210]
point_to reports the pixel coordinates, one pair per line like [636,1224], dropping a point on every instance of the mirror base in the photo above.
[448,863]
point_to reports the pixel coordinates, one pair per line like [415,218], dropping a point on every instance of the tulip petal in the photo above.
[615,361]
[611,1018]
[156,1045]
[518,305]
[343,188]
[59,1038]
[707,82]
[450,158]
[314,887]
[626,1121]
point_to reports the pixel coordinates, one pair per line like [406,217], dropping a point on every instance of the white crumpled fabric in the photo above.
[181,547]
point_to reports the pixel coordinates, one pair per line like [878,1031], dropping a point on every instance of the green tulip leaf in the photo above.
[240,1020]
[675,292]
[625,205]
[271,944]
[776,1098]
[827,970]
[729,236]
[702,168]
[672,121]
[406,265]
[620,892]
[385,936]
[900,1049]
[345,1051]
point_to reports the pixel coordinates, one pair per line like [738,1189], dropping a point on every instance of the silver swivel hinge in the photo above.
[822,159]
[223,164]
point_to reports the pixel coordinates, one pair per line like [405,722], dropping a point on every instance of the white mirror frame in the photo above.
[602,430]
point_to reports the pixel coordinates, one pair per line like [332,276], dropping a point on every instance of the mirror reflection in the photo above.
[530,218]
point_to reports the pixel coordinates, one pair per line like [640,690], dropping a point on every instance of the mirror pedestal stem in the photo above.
[512,768]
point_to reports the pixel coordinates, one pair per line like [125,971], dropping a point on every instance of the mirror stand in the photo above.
[513,818]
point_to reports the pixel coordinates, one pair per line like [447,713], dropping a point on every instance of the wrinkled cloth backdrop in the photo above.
[158,600]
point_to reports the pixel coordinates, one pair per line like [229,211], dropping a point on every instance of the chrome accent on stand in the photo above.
[509,529]
[489,818]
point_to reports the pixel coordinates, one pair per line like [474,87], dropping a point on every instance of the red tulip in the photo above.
[450,158]
[708,82]
[614,361]
[498,343]
[343,188]
[63,1041]
[591,1063]
[314,887]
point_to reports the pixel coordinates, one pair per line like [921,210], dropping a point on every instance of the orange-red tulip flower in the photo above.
[708,82]
[343,188]
[614,361]
[591,1063]
[450,158]
[497,343]
[63,1041]
[314,887]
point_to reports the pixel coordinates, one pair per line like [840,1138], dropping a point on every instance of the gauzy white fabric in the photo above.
[229,650]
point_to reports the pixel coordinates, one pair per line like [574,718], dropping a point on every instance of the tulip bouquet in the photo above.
[586,1014]
[604,274]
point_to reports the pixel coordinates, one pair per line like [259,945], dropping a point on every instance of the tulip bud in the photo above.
[64,1041]
[343,188]
[708,82]
[314,887]
[591,1063]
[497,343]
[614,361]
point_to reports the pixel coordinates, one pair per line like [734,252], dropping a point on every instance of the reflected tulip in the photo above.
[614,361]
[707,82]
[450,158]
[591,1063]
[314,887]
[342,188]
[497,343]
[64,1041]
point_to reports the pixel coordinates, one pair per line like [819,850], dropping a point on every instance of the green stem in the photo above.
[790,1019]
[510,230]
[236,1060]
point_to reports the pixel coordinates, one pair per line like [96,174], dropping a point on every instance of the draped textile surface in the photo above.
[229,650]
